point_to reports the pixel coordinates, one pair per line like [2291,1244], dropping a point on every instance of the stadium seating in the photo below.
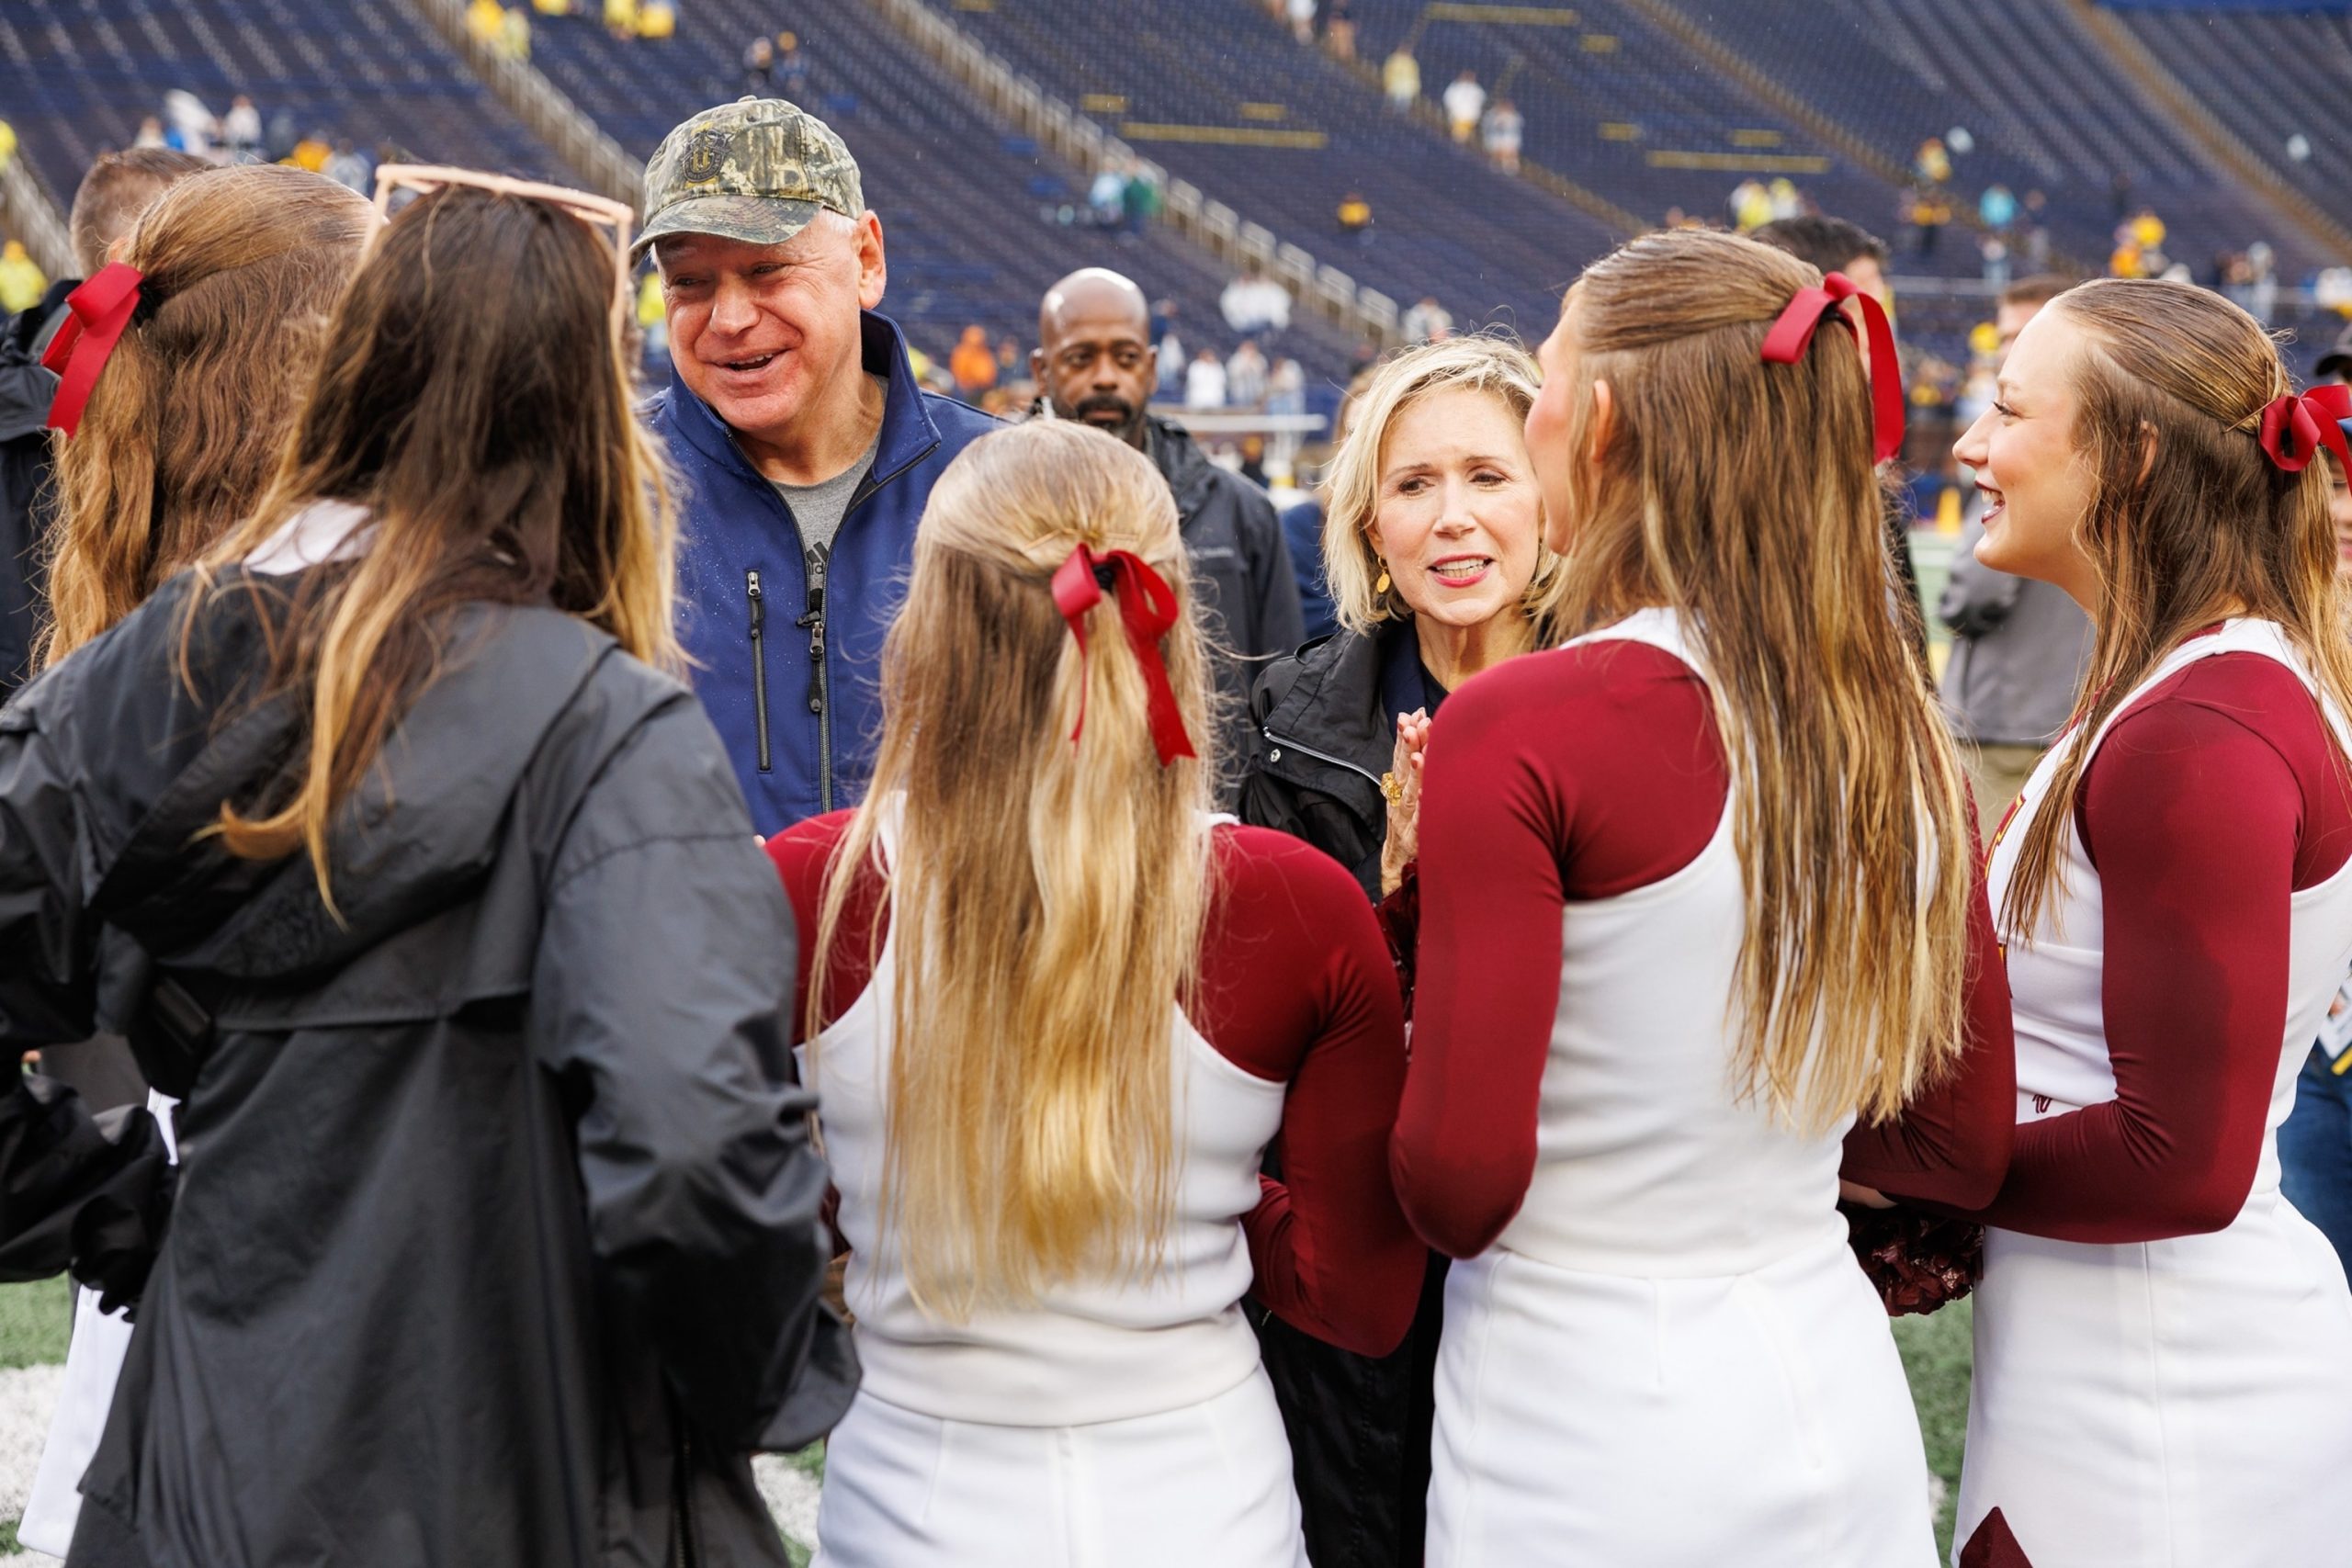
[973,214]
[77,76]
[1214,91]
[2269,78]
[1626,111]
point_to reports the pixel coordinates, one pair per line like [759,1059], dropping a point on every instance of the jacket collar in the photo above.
[908,432]
[1180,461]
[1336,703]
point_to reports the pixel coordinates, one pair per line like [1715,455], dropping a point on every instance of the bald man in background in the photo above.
[1095,362]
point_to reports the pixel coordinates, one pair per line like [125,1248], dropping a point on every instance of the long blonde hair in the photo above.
[1045,898]
[486,428]
[1741,495]
[1482,362]
[186,423]
[2181,524]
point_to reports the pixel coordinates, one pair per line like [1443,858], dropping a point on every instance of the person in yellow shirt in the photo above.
[312,152]
[22,282]
[7,142]
[486,20]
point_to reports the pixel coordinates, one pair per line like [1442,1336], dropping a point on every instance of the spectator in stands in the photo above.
[1302,19]
[485,22]
[1245,376]
[1426,321]
[1340,28]
[1254,303]
[1141,200]
[759,66]
[107,205]
[1787,201]
[806,449]
[1106,198]
[1750,205]
[350,168]
[1997,207]
[791,68]
[1095,362]
[1204,382]
[22,282]
[1400,78]
[312,151]
[1466,101]
[1500,133]
[972,364]
[1168,348]
[284,135]
[240,129]
[1834,244]
[1286,397]
[1354,216]
[150,133]
[515,36]
[2019,646]
[1931,165]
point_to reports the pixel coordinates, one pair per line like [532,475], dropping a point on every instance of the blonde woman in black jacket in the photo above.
[1432,540]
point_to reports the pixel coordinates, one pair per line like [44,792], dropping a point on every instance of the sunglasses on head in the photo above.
[600,214]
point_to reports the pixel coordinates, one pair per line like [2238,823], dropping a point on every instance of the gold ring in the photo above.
[1392,789]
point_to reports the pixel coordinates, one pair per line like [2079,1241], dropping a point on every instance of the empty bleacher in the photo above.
[77,76]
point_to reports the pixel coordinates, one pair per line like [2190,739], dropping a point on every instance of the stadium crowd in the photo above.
[572,940]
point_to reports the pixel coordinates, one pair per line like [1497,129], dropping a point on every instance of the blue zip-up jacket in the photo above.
[787,649]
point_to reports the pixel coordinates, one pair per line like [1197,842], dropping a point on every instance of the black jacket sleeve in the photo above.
[664,969]
[88,1194]
[48,943]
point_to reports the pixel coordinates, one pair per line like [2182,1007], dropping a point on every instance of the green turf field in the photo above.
[1934,1350]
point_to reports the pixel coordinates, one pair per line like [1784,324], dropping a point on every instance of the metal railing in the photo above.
[1078,140]
[30,214]
[542,105]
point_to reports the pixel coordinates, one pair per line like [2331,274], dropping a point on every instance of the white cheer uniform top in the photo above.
[1088,1350]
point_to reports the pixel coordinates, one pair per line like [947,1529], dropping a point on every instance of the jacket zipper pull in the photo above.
[759,663]
[814,622]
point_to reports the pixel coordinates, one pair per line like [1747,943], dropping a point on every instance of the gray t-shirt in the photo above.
[818,508]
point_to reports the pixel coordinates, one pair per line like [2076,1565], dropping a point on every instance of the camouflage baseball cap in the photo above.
[757,170]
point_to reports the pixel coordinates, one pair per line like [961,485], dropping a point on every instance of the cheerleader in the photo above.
[2164,1346]
[1056,1012]
[1698,894]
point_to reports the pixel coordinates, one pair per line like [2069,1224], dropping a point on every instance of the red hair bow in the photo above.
[1148,608]
[1792,332]
[2294,429]
[99,312]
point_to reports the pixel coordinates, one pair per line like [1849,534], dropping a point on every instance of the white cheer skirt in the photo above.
[2180,1404]
[1205,1486]
[1588,1419]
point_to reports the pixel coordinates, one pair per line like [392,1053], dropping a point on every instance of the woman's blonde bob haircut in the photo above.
[1046,895]
[1482,362]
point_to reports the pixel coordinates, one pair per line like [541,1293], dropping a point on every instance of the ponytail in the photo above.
[1046,873]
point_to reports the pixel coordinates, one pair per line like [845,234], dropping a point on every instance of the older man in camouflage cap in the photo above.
[805,449]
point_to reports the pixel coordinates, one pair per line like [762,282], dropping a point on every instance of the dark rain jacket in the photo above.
[1359,1426]
[787,639]
[26,392]
[1233,542]
[1321,736]
[496,1239]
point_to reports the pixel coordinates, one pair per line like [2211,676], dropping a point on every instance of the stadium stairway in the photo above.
[978,219]
[78,75]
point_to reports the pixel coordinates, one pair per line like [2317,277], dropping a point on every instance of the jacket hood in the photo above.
[908,432]
[158,758]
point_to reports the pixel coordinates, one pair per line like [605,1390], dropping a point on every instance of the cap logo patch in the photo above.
[705,155]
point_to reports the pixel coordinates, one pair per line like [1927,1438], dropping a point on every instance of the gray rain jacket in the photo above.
[496,1238]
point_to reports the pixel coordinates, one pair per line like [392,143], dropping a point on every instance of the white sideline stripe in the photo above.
[28,1397]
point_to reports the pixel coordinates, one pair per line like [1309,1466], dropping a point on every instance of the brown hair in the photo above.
[1047,895]
[118,187]
[1741,496]
[184,424]
[486,428]
[2188,516]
